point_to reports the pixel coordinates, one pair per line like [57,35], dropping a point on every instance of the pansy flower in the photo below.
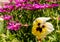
[41,28]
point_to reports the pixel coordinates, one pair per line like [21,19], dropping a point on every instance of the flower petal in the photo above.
[44,18]
[49,27]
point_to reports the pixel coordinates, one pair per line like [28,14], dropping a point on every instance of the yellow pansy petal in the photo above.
[39,34]
[37,21]
[42,34]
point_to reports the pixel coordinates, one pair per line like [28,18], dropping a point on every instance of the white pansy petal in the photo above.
[49,27]
[44,18]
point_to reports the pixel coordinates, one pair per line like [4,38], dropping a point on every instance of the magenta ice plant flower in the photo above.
[28,7]
[20,1]
[46,5]
[40,6]
[1,10]
[13,25]
[8,7]
[18,5]
[36,6]
[54,5]
[7,17]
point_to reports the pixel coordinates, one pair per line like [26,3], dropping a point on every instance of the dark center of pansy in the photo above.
[38,24]
[39,29]
[43,26]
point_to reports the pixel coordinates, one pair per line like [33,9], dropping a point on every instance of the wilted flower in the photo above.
[14,25]
[41,28]
[7,17]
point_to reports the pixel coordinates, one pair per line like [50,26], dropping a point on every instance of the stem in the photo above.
[7,33]
[39,40]
[22,40]
[57,23]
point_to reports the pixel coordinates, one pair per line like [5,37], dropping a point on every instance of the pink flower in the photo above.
[46,5]
[18,5]
[7,17]
[1,10]
[8,8]
[14,25]
[54,5]
[36,1]
[36,6]
[20,1]
[28,7]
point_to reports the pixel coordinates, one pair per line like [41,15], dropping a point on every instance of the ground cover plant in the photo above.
[30,21]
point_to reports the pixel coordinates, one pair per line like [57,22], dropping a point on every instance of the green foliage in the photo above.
[28,16]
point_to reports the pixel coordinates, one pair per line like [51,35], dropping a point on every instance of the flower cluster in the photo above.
[41,28]
[13,16]
[18,4]
[14,25]
[24,4]
[7,17]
